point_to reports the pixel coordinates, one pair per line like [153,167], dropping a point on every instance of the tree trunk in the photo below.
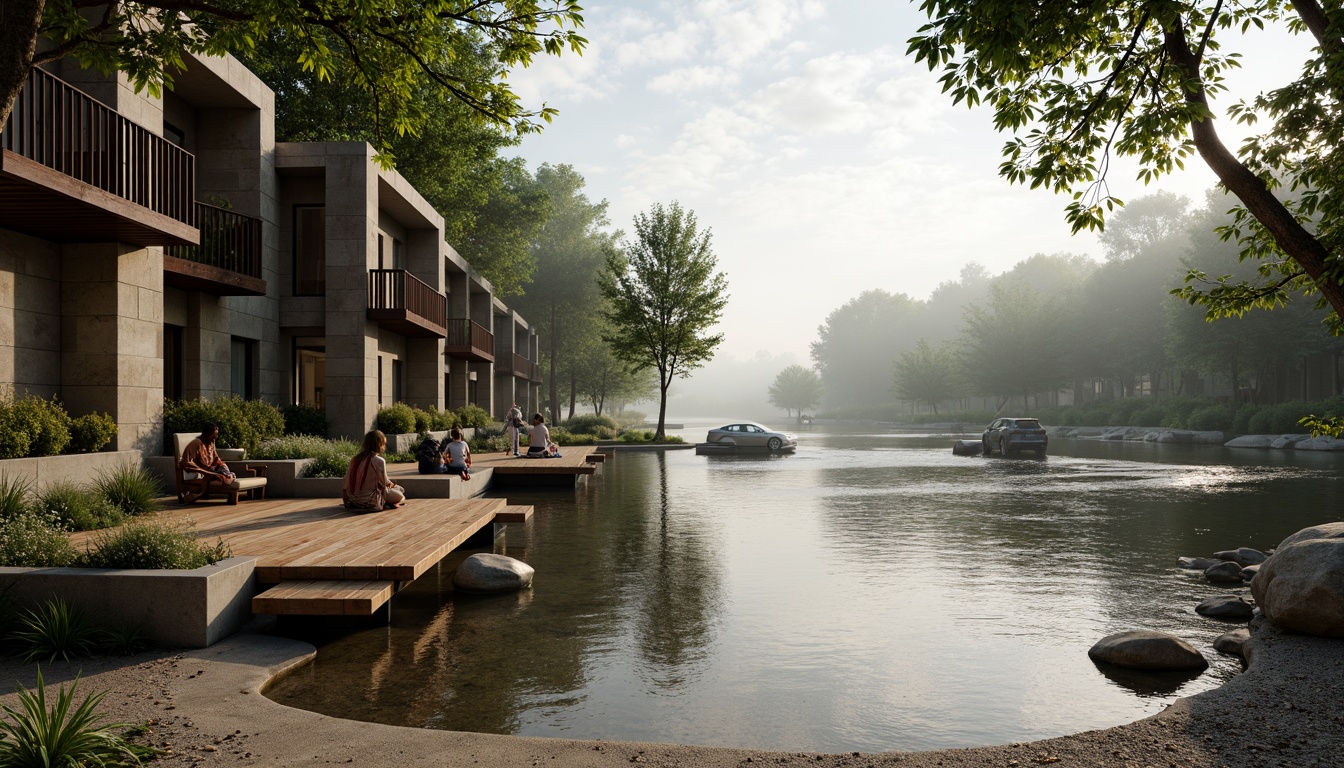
[555,353]
[1300,245]
[573,392]
[663,383]
[19,22]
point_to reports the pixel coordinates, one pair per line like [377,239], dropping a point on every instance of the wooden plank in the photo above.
[514,513]
[596,458]
[324,598]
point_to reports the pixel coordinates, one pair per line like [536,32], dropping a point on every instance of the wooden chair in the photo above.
[200,486]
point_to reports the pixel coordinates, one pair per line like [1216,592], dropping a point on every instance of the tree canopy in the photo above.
[796,389]
[663,297]
[1079,83]
[926,375]
[383,47]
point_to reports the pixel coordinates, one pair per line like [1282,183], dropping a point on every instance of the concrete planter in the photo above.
[78,468]
[178,608]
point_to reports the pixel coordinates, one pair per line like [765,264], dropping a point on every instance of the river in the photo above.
[870,592]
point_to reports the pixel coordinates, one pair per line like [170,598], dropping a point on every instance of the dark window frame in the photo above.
[294,247]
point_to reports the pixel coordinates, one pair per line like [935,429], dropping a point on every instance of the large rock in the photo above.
[1251,441]
[1145,649]
[1242,556]
[1301,588]
[1233,642]
[1225,607]
[1322,443]
[1197,563]
[968,448]
[1249,572]
[1224,573]
[484,572]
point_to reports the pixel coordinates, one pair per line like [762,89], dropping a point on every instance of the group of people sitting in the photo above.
[452,456]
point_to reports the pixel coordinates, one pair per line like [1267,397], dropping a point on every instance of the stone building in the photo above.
[170,247]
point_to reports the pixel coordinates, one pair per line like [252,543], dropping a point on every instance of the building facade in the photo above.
[169,247]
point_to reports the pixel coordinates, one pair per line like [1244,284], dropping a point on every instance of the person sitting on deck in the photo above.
[429,456]
[200,457]
[367,488]
[458,454]
[539,445]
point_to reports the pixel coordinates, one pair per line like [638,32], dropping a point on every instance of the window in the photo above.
[396,255]
[172,362]
[242,357]
[310,250]
[380,381]
[398,382]
[174,134]
[310,371]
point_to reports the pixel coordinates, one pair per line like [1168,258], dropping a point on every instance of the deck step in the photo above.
[596,458]
[324,598]
[514,513]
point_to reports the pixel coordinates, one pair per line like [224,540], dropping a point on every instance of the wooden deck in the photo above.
[299,539]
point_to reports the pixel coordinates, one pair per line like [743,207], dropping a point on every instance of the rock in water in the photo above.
[1301,587]
[968,448]
[1224,573]
[1145,649]
[1225,607]
[484,572]
[1233,642]
[1197,563]
[1249,572]
[1242,556]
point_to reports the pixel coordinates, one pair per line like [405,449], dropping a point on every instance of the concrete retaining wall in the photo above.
[177,608]
[78,468]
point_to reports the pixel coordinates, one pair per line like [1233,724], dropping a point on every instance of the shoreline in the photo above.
[208,705]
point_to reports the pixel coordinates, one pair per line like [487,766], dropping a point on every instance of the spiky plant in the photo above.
[54,630]
[62,734]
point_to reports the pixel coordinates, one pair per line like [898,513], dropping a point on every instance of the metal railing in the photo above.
[469,334]
[229,241]
[58,126]
[399,289]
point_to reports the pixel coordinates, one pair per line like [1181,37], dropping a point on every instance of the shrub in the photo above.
[292,447]
[591,424]
[424,420]
[636,436]
[62,734]
[13,496]
[490,440]
[91,432]
[75,508]
[187,415]
[632,418]
[1279,419]
[45,421]
[1151,416]
[332,460]
[565,437]
[242,423]
[54,630]
[305,420]
[34,540]
[154,544]
[396,419]
[1241,423]
[1211,418]
[473,416]
[126,638]
[130,488]
[441,421]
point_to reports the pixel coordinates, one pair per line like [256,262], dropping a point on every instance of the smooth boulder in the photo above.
[1249,572]
[1224,573]
[1301,588]
[1225,607]
[1145,649]
[1233,642]
[1242,556]
[484,572]
[968,448]
[1197,563]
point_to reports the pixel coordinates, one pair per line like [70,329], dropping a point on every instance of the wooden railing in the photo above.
[467,335]
[58,126]
[399,289]
[524,368]
[229,241]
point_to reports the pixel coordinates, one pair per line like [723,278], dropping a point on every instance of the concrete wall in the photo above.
[194,608]
[30,314]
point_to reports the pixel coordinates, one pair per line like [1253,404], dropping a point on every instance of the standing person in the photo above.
[367,488]
[458,454]
[539,445]
[201,458]
[513,424]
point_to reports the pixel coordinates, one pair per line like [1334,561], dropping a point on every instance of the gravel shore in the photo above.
[206,707]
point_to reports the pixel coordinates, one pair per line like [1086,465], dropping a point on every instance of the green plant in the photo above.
[332,459]
[590,424]
[155,545]
[13,496]
[441,421]
[130,488]
[55,629]
[34,540]
[473,416]
[292,447]
[424,420]
[636,436]
[305,420]
[45,421]
[565,437]
[405,457]
[242,423]
[1212,418]
[15,437]
[126,638]
[76,508]
[490,440]
[91,432]
[396,419]
[64,734]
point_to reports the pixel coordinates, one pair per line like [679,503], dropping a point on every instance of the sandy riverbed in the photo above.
[206,704]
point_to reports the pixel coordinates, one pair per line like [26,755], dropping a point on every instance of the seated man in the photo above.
[200,457]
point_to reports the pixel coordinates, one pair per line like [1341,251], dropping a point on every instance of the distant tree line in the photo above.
[1061,322]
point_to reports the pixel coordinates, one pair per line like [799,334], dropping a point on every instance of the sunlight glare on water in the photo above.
[871,592]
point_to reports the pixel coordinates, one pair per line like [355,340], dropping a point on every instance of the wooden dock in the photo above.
[327,560]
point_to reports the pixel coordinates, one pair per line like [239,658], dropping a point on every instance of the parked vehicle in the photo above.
[1014,434]
[751,435]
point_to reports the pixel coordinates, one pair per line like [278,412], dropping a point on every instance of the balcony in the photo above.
[526,369]
[401,302]
[468,341]
[73,170]
[228,260]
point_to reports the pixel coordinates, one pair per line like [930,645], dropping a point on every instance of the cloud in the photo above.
[694,80]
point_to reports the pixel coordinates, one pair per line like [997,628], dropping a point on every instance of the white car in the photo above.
[748,434]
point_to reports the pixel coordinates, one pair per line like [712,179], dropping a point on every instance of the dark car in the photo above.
[1014,434]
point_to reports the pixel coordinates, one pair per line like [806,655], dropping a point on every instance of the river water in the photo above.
[870,592]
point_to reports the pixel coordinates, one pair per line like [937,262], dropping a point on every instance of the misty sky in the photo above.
[825,161]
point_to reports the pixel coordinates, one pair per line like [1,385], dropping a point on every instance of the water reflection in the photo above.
[870,592]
